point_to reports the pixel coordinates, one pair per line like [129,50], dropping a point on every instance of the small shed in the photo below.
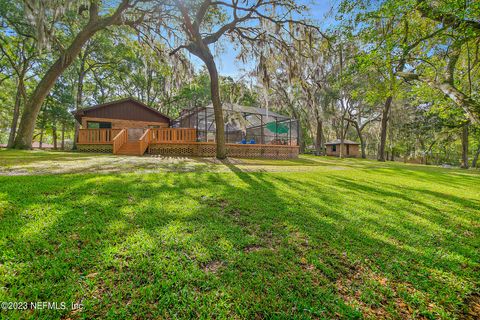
[350,148]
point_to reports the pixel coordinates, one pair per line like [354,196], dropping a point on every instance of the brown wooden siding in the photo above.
[121,124]
[127,109]
[353,150]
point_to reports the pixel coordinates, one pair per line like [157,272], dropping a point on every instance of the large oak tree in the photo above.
[44,17]
[198,24]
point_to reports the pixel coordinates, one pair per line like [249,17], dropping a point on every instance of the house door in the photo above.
[135,133]
[348,149]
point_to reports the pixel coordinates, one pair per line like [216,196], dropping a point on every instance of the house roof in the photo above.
[337,141]
[126,115]
[233,107]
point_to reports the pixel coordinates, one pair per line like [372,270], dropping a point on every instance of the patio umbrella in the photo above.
[277,127]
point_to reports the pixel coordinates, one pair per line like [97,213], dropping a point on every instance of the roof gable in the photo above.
[124,109]
[338,141]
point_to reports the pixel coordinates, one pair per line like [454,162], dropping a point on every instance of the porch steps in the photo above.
[130,148]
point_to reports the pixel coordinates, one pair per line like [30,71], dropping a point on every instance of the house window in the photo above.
[99,125]
[334,148]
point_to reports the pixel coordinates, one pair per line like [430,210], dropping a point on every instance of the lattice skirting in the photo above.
[233,150]
[101,148]
[262,151]
[185,150]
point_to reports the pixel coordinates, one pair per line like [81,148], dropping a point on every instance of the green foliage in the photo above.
[432,39]
[7,96]
[197,93]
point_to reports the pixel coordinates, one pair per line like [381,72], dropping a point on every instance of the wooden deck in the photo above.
[173,142]
[97,136]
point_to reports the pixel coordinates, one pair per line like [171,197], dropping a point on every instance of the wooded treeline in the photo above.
[399,77]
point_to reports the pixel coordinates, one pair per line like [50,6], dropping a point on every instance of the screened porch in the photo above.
[243,125]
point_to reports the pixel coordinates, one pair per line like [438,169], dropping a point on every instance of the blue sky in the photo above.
[226,62]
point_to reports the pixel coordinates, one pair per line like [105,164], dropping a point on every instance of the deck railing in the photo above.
[97,136]
[118,137]
[145,141]
[119,140]
[173,135]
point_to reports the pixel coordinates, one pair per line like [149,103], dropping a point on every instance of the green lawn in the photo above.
[180,238]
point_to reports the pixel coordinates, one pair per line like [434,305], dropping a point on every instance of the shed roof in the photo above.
[338,141]
[122,109]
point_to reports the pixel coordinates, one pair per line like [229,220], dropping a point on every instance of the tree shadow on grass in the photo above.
[451,177]
[122,244]
[404,228]
[225,245]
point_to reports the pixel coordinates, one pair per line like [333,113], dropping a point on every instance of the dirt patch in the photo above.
[213,266]
[252,248]
[299,241]
[215,202]
[91,275]
[350,287]
[308,267]
[468,234]
[473,307]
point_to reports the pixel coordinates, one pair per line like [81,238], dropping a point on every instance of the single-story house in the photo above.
[350,148]
[126,113]
[130,127]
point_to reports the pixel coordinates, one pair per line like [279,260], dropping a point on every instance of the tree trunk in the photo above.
[469,105]
[319,141]
[54,136]
[424,151]
[217,104]
[40,142]
[384,127]
[78,101]
[465,147]
[35,101]
[301,140]
[16,114]
[300,132]
[342,138]
[362,141]
[475,157]
[62,146]
[363,146]
[471,108]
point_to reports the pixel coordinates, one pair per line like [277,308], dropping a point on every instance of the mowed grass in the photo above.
[309,238]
